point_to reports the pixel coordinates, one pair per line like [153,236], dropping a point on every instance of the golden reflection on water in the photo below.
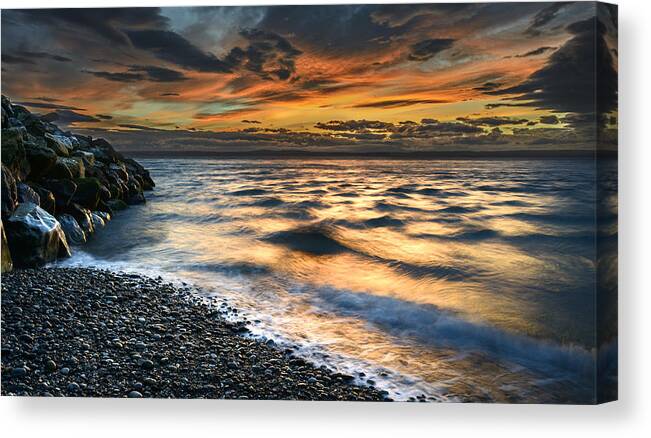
[406,243]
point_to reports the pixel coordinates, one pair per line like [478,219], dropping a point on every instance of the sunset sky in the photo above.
[347,78]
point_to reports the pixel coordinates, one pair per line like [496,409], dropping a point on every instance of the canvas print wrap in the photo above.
[335,202]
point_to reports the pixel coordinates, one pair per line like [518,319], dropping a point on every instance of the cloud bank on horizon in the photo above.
[358,78]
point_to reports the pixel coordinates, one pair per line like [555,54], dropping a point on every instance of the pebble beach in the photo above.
[91,333]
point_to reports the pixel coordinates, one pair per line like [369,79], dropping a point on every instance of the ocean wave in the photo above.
[248,192]
[383,221]
[457,209]
[317,239]
[267,202]
[436,327]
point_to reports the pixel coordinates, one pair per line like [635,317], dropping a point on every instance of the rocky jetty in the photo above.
[58,187]
[89,333]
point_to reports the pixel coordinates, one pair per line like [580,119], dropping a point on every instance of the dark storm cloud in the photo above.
[536,52]
[66,117]
[48,105]
[172,47]
[159,74]
[340,29]
[434,128]
[116,76]
[11,59]
[137,73]
[543,17]
[138,127]
[47,99]
[405,131]
[395,15]
[268,55]
[426,49]
[354,125]
[27,57]
[492,121]
[567,82]
[105,22]
[397,103]
[549,120]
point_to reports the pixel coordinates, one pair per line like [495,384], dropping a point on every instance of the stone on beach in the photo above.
[72,230]
[35,237]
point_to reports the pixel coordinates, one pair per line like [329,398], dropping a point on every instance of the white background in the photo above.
[629,417]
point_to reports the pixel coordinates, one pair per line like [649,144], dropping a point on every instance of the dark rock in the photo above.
[60,144]
[35,237]
[87,157]
[50,366]
[74,234]
[67,168]
[9,193]
[98,222]
[136,168]
[47,201]
[106,216]
[13,151]
[134,394]
[88,192]
[103,151]
[40,158]
[63,191]
[18,372]
[104,208]
[27,194]
[83,217]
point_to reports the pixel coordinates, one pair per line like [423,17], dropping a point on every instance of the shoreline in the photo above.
[92,333]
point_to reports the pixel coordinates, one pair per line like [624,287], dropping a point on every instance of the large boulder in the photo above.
[27,194]
[40,158]
[47,201]
[9,193]
[87,157]
[67,168]
[101,149]
[7,263]
[35,237]
[88,192]
[63,190]
[98,220]
[13,151]
[83,217]
[60,144]
[72,230]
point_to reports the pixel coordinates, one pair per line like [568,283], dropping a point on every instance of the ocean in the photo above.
[435,280]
